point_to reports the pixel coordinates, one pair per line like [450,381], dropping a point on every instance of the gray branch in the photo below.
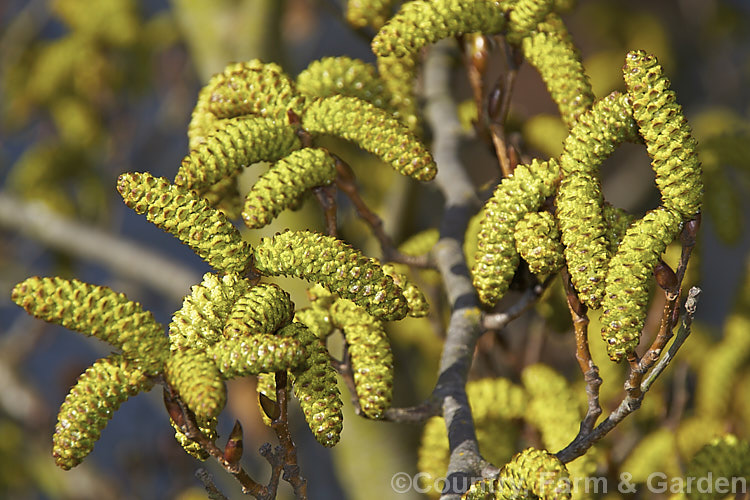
[123,257]
[464,327]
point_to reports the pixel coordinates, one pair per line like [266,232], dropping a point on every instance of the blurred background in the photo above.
[89,90]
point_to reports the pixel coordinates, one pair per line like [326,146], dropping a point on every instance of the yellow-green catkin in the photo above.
[579,200]
[720,366]
[373,13]
[551,51]
[234,144]
[114,22]
[627,282]
[496,258]
[283,185]
[189,217]
[617,222]
[418,305]
[254,89]
[420,23]
[263,308]
[203,121]
[538,242]
[197,380]
[545,389]
[97,311]
[335,265]
[225,197]
[200,321]
[90,404]
[524,18]
[399,75]
[315,386]
[656,451]
[370,354]
[667,135]
[318,321]
[344,76]
[257,354]
[374,130]
[533,473]
[725,459]
[193,448]
[420,243]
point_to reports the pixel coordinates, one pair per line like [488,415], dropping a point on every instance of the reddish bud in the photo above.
[665,277]
[233,448]
[690,231]
[174,410]
[494,101]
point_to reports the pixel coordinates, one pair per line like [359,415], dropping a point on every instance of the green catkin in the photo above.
[188,217]
[200,321]
[552,52]
[420,243]
[538,242]
[418,305]
[654,452]
[97,311]
[373,13]
[496,258]
[263,308]
[370,354]
[256,354]
[627,282]
[579,201]
[192,448]
[283,185]
[251,90]
[726,458]
[533,473]
[718,371]
[335,265]
[317,320]
[420,23]
[203,121]
[197,380]
[399,75]
[234,144]
[524,18]
[225,197]
[617,223]
[372,129]
[667,135]
[315,386]
[344,76]
[90,404]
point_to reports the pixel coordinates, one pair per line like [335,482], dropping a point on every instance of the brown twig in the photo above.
[345,181]
[208,483]
[498,107]
[287,451]
[326,196]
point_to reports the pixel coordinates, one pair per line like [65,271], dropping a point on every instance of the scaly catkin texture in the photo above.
[195,377]
[315,386]
[344,76]
[90,404]
[592,139]
[552,52]
[203,121]
[283,185]
[524,18]
[252,89]
[667,135]
[234,144]
[188,217]
[627,282]
[399,75]
[496,258]
[201,320]
[97,311]
[335,265]
[418,305]
[538,242]
[372,129]
[420,23]
[256,354]
[193,448]
[374,13]
[726,458]
[533,473]
[263,308]
[370,354]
